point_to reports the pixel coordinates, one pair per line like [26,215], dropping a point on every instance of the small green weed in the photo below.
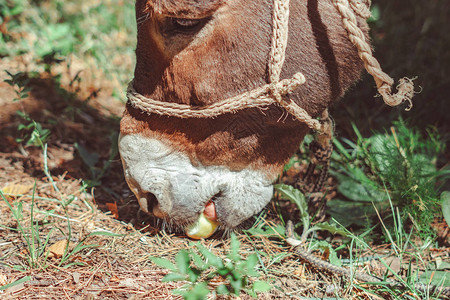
[295,196]
[199,267]
[288,192]
[49,32]
[32,132]
[35,244]
[402,161]
[19,81]
[91,160]
[37,251]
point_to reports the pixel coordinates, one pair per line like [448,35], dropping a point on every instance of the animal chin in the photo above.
[183,192]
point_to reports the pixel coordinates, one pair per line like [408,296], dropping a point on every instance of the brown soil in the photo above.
[111,267]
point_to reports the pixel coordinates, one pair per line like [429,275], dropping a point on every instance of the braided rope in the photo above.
[360,8]
[279,39]
[276,90]
[383,81]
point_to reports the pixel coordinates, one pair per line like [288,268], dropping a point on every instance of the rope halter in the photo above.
[276,90]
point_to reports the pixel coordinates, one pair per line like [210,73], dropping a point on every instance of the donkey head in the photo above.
[198,52]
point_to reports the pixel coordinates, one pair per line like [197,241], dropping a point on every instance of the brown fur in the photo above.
[184,8]
[229,57]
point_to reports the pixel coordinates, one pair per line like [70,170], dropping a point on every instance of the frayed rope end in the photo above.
[405,92]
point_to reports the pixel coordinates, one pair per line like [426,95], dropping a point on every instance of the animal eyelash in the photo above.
[185,23]
[143,19]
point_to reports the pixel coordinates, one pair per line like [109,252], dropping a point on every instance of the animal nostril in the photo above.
[152,205]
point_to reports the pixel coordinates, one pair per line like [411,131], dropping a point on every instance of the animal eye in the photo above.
[183,24]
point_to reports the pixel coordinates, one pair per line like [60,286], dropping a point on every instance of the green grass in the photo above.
[199,266]
[404,262]
[99,36]
[37,234]
[400,164]
[390,178]
[35,245]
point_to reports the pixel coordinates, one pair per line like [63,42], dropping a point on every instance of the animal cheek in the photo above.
[243,197]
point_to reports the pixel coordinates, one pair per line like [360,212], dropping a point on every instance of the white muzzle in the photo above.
[183,189]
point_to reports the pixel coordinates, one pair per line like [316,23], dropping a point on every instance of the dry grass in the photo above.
[118,267]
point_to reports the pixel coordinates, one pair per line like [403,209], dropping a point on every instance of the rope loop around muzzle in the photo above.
[265,95]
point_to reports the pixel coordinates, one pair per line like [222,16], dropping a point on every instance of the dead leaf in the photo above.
[3,280]
[57,249]
[129,282]
[300,272]
[394,263]
[15,288]
[113,209]
[326,254]
[16,189]
[76,277]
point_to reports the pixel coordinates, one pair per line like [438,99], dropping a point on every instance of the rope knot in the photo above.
[325,134]
[286,86]
[278,89]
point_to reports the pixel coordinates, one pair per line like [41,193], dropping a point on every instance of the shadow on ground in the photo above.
[82,143]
